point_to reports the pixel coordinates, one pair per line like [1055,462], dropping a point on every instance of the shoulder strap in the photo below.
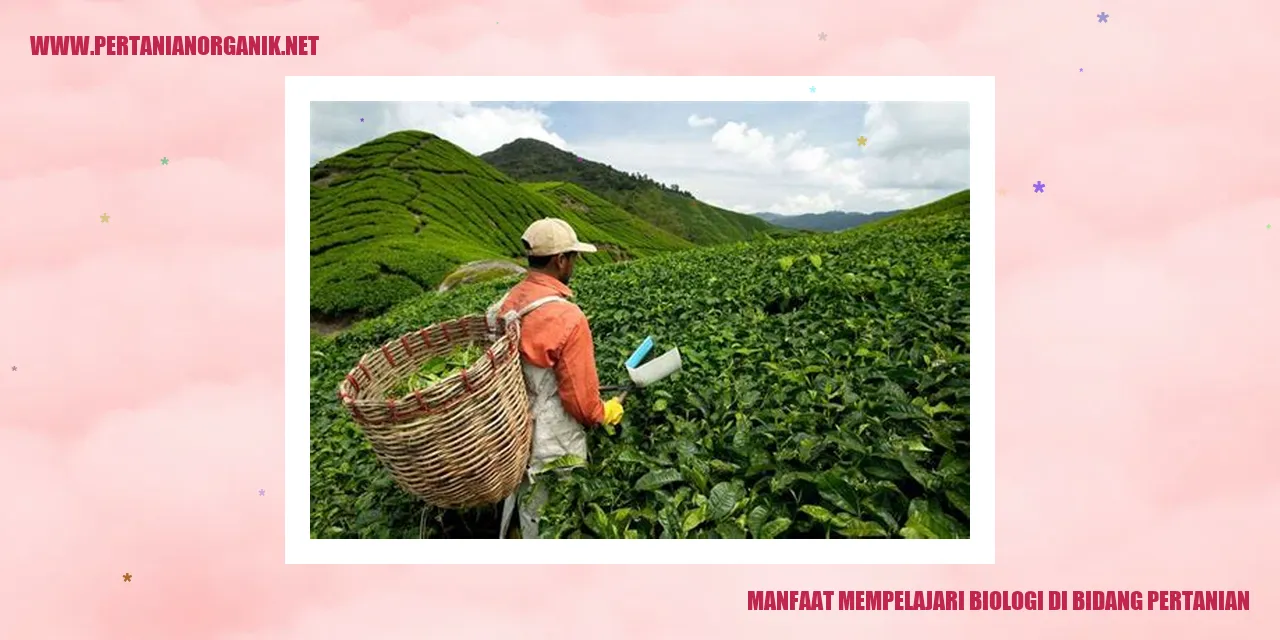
[492,313]
[511,316]
[538,303]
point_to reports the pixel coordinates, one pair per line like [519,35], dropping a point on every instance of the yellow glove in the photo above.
[613,412]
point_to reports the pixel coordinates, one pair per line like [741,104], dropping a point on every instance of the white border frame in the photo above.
[979,92]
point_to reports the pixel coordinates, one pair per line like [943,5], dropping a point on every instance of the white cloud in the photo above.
[791,140]
[739,139]
[915,152]
[477,129]
[808,159]
[751,144]
[898,127]
[801,164]
[820,203]
[336,127]
[697,122]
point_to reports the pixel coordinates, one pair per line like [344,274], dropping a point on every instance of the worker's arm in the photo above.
[576,376]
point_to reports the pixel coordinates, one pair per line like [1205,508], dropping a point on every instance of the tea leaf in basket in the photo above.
[436,369]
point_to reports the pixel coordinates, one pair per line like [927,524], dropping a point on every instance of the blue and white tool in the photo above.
[656,369]
[641,351]
[643,375]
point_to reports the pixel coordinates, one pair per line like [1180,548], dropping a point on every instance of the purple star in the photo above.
[1039,186]
[361,119]
[1082,69]
[262,492]
[1102,17]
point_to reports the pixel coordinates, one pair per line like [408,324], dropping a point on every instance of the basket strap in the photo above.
[539,302]
[513,316]
[492,313]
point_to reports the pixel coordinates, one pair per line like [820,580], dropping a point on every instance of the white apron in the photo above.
[555,433]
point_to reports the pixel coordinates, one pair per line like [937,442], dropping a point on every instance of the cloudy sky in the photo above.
[784,157]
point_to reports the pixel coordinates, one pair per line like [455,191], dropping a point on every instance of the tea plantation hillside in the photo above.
[825,392]
[392,217]
[665,206]
[621,227]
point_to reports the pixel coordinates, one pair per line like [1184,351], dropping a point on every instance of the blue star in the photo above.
[1102,17]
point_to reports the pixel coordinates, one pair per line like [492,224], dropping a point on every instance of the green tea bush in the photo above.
[825,393]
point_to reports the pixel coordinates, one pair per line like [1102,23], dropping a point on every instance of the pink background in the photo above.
[1137,314]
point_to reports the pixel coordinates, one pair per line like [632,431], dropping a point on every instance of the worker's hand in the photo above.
[613,412]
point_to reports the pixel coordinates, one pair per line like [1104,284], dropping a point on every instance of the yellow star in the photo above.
[862,141]
[128,578]
[105,218]
[1001,191]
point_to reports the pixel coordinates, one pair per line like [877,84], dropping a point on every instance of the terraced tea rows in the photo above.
[391,218]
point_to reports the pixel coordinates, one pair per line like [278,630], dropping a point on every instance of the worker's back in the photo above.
[556,336]
[544,330]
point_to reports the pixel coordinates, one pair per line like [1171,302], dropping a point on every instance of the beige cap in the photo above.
[553,236]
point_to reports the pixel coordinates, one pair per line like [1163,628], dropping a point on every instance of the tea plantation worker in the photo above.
[558,359]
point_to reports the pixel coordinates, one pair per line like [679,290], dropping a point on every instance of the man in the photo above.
[558,359]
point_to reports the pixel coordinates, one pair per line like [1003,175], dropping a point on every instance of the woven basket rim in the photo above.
[361,398]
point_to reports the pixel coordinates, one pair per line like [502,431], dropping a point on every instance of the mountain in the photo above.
[665,206]
[829,221]
[390,219]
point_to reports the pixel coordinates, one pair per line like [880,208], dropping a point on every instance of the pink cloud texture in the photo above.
[1137,306]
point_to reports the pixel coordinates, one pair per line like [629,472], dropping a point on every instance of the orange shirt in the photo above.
[556,336]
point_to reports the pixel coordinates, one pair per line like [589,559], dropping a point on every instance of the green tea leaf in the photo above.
[692,519]
[959,500]
[693,472]
[730,530]
[914,444]
[565,462]
[925,519]
[598,522]
[851,527]
[437,369]
[775,528]
[632,456]
[817,513]
[835,487]
[657,478]
[756,519]
[724,499]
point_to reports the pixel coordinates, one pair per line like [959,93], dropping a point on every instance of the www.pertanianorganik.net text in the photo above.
[174,45]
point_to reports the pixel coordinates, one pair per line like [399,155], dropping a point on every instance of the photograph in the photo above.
[639,320]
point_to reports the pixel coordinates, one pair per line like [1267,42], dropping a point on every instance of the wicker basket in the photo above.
[462,442]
